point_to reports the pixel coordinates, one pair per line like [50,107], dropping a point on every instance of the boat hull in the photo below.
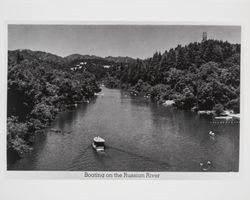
[98,148]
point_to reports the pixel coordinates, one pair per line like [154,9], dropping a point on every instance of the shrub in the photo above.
[218,108]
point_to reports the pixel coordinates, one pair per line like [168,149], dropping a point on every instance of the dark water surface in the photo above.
[140,136]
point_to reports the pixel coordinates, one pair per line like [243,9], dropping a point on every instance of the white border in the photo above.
[200,11]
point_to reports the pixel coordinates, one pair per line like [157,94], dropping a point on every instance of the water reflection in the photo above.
[140,136]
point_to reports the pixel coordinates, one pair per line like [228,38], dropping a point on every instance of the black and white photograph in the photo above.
[123,97]
[114,99]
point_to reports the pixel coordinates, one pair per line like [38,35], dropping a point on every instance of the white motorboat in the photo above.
[98,144]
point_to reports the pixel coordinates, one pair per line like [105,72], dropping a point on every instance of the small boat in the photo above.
[211,133]
[98,144]
[206,166]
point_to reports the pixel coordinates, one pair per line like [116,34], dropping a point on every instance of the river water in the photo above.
[140,136]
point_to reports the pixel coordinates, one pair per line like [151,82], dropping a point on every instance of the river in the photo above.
[140,136]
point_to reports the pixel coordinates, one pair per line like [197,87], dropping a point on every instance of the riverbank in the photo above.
[189,77]
[37,92]
[140,136]
[25,132]
[164,95]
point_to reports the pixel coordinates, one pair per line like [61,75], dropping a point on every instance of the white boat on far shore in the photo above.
[224,117]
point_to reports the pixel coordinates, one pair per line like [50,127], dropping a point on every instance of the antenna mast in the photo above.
[204,36]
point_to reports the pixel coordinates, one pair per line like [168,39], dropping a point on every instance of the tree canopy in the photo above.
[199,75]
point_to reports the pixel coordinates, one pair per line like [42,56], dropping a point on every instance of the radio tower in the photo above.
[204,36]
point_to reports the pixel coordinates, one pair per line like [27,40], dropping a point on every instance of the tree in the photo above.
[181,62]
[218,108]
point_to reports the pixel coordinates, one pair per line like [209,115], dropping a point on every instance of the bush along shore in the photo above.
[37,92]
[199,76]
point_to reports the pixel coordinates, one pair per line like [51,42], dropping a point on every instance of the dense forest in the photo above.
[39,87]
[199,76]
[42,84]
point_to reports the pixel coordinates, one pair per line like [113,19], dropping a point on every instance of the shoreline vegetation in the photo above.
[203,77]
[37,91]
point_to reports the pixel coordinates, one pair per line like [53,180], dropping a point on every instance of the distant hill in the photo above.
[74,57]
[75,62]
[26,54]
[106,60]
[120,59]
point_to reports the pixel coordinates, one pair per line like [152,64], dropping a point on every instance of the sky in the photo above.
[137,41]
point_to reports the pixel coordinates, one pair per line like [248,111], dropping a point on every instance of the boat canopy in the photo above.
[98,139]
[98,142]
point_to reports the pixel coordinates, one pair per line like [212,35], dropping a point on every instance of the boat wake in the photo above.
[137,155]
